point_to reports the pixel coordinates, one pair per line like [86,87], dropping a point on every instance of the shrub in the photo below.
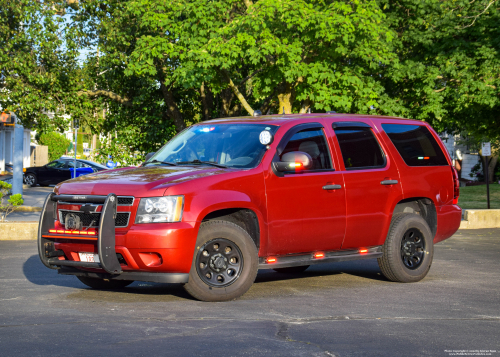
[56,142]
[12,203]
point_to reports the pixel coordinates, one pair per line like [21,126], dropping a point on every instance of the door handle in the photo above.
[332,187]
[389,182]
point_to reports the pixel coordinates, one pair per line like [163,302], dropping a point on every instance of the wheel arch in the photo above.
[245,218]
[423,206]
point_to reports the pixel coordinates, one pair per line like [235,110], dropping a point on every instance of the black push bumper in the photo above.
[105,245]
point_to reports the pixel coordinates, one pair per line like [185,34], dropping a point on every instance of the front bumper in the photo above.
[176,247]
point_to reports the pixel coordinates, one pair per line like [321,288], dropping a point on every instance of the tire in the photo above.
[292,270]
[408,249]
[102,284]
[225,262]
[30,179]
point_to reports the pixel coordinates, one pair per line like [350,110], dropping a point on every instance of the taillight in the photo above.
[456,186]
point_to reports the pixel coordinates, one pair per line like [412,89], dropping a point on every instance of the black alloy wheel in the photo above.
[219,262]
[412,248]
[225,262]
[408,249]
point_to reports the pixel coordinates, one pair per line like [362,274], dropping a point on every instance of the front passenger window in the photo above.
[312,142]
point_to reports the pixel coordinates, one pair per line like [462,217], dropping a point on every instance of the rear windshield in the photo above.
[415,144]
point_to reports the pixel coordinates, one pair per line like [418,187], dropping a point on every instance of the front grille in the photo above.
[125,201]
[122,200]
[87,219]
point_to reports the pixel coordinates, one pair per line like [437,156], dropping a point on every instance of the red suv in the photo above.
[227,197]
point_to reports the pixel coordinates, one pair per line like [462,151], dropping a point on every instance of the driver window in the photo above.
[59,164]
[312,142]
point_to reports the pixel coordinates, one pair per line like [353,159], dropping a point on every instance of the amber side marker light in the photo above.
[319,255]
[271,260]
[363,251]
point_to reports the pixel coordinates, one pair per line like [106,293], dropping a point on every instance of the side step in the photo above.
[286,261]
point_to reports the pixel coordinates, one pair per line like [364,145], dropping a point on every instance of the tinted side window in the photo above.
[312,142]
[59,164]
[415,144]
[360,148]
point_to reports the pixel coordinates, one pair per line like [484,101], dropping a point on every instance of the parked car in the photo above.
[57,171]
[227,197]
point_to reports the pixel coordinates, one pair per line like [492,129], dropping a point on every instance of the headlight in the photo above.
[160,209]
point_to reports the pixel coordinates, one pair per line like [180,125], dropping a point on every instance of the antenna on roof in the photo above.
[284,110]
[309,111]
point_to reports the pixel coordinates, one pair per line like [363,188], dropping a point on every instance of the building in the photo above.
[7,144]
[464,158]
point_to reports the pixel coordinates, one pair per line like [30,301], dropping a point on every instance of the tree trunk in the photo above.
[286,97]
[306,104]
[207,100]
[172,108]
[492,162]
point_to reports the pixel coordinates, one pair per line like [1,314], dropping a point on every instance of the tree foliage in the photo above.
[154,67]
[448,68]
[57,144]
[39,69]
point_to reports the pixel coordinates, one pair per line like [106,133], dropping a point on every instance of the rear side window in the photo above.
[415,144]
[360,148]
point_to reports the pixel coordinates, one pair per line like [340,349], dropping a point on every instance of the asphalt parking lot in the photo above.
[341,309]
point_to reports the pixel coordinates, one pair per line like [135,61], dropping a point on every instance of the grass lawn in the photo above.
[475,196]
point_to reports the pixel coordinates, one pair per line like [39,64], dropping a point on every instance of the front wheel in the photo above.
[30,179]
[408,249]
[225,262]
[102,284]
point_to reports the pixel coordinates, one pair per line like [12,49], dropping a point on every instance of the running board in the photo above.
[286,261]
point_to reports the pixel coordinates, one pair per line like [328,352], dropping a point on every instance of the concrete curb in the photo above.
[18,230]
[480,218]
[28,209]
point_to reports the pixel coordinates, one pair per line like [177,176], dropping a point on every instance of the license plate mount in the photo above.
[89,257]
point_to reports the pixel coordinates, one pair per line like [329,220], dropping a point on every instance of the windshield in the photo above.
[231,145]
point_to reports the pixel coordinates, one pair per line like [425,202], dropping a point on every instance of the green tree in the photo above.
[56,142]
[448,68]
[165,65]
[39,63]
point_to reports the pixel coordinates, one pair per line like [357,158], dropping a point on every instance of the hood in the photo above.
[139,182]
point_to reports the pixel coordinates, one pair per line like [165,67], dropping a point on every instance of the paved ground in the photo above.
[342,309]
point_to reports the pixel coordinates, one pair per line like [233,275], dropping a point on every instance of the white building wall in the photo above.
[456,149]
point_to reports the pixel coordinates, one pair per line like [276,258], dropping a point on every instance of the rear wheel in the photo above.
[408,249]
[102,284]
[292,270]
[225,262]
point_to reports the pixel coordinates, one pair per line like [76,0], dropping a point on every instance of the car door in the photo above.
[306,209]
[51,173]
[372,183]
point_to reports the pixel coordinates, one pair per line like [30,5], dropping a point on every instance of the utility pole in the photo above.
[17,157]
[76,125]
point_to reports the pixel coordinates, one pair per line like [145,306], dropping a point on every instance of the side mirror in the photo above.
[294,161]
[148,156]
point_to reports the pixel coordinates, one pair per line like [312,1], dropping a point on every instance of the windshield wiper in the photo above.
[162,162]
[198,162]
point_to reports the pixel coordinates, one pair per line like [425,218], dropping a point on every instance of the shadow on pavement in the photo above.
[38,274]
[367,269]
